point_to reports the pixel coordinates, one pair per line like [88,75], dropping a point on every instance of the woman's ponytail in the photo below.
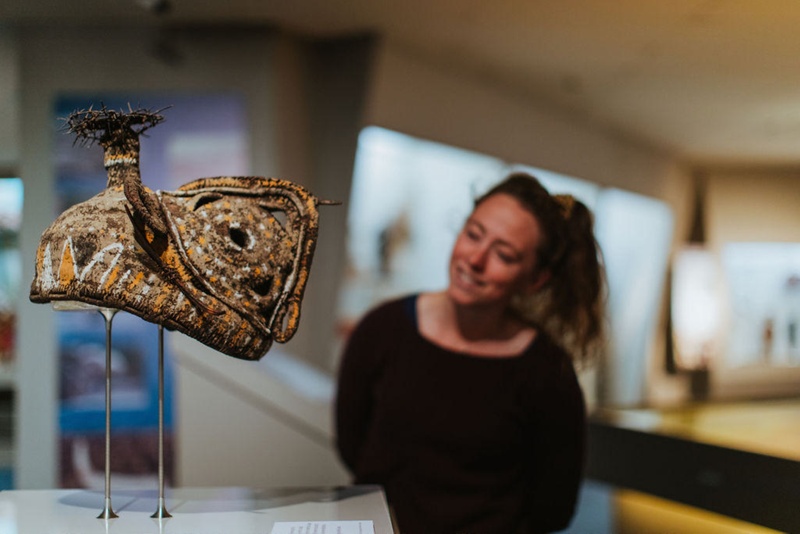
[570,307]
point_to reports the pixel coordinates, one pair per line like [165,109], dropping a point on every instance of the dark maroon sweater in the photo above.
[461,444]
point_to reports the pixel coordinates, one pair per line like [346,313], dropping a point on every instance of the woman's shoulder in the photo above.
[545,343]
[391,313]
[386,328]
[394,305]
[548,356]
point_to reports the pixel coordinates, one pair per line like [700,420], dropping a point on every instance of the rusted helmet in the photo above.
[223,260]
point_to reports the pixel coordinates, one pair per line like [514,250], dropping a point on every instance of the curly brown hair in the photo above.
[570,307]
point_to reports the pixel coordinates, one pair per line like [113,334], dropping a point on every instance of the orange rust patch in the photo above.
[135,280]
[66,272]
[159,302]
[170,258]
[112,277]
[241,332]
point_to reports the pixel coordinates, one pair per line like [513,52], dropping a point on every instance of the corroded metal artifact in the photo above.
[224,260]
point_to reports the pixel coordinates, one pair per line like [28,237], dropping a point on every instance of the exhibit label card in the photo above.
[323,527]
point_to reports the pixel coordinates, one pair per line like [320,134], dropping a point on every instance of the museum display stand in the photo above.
[345,510]
[300,510]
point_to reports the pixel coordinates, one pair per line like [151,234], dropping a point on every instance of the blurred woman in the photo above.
[464,404]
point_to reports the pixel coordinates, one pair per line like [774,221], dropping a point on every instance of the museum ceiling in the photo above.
[713,81]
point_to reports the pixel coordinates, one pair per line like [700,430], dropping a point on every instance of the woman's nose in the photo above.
[477,257]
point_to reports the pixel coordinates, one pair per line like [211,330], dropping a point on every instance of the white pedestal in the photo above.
[194,510]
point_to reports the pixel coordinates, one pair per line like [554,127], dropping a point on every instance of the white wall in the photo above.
[760,205]
[244,424]
[9,100]
[439,103]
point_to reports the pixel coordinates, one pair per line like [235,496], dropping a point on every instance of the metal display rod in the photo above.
[161,512]
[108,511]
[108,316]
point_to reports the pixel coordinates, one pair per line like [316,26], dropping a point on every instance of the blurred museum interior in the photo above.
[677,123]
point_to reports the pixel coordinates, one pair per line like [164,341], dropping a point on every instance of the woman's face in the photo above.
[494,256]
